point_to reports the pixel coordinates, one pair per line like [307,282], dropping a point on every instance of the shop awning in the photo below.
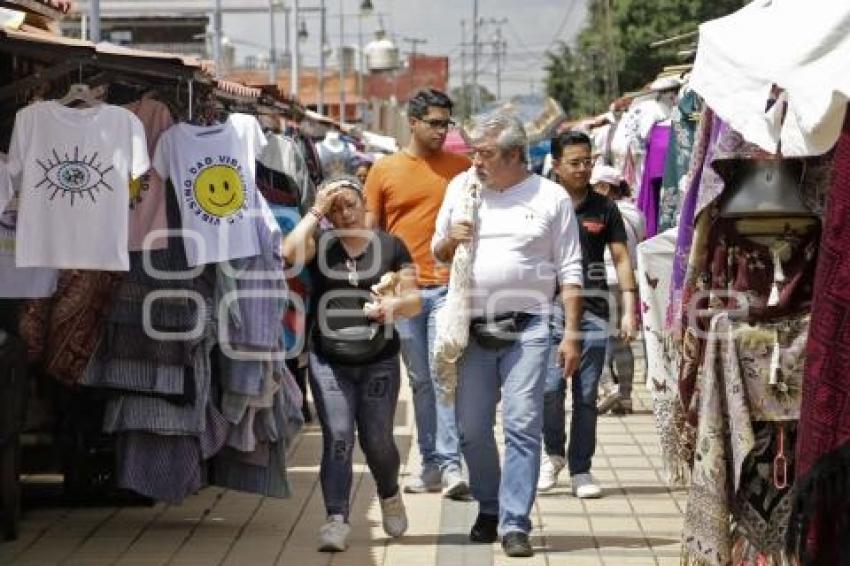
[65,51]
[803,49]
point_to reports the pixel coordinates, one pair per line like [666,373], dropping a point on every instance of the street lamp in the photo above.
[365,9]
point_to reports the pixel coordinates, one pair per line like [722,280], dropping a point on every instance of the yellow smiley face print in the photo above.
[219,190]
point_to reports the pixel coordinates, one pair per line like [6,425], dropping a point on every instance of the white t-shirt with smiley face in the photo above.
[212,169]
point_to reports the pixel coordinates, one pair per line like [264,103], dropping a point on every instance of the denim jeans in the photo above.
[516,374]
[363,397]
[436,427]
[619,366]
[585,382]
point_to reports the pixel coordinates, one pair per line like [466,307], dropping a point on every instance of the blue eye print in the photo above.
[74,177]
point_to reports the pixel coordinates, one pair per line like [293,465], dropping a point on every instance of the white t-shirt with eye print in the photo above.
[72,168]
[213,170]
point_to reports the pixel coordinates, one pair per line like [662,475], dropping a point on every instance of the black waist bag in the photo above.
[499,331]
[355,345]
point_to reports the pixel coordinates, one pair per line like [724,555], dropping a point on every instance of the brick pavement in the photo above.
[638,520]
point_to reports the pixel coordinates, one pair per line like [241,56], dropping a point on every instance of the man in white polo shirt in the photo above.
[525,242]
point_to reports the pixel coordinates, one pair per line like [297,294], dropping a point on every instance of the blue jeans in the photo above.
[362,398]
[585,382]
[436,426]
[516,374]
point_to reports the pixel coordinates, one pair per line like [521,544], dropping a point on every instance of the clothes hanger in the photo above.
[207,111]
[80,93]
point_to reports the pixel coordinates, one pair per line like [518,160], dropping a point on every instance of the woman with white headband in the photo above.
[365,280]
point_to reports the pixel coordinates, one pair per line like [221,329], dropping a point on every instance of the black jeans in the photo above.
[364,397]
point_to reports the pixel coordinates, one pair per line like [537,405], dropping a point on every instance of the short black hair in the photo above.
[417,107]
[572,137]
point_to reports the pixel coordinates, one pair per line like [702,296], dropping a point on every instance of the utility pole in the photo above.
[341,62]
[94,17]
[500,47]
[464,99]
[216,36]
[413,41]
[320,106]
[294,79]
[286,45]
[361,104]
[475,24]
[272,46]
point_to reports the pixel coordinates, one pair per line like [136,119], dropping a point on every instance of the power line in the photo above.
[563,25]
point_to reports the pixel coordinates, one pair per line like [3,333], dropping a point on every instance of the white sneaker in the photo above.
[456,486]
[428,480]
[394,515]
[333,535]
[550,467]
[584,487]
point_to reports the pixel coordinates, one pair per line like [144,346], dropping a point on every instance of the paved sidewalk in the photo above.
[638,521]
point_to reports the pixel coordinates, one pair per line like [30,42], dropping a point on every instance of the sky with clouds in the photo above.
[529,27]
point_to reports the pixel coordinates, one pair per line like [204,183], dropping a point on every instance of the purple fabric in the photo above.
[725,145]
[653,172]
[706,138]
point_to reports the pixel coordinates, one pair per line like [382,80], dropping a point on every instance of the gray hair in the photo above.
[507,131]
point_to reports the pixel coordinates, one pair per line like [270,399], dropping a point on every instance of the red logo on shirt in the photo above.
[593,226]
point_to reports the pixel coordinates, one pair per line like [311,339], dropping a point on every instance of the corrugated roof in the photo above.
[238,89]
[32,34]
[38,35]
[53,9]
[112,49]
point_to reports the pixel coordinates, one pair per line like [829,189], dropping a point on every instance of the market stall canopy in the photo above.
[802,48]
[539,114]
[377,142]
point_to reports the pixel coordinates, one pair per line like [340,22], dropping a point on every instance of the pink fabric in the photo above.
[147,195]
[455,143]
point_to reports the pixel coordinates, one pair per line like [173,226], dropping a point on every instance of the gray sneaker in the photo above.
[428,480]
[456,486]
[608,402]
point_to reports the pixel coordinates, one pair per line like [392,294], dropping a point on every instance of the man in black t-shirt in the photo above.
[600,226]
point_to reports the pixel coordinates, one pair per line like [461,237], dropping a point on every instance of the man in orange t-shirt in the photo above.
[403,196]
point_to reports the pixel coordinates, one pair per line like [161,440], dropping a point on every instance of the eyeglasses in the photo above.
[436,124]
[483,153]
[576,163]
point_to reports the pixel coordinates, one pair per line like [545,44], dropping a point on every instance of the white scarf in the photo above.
[453,318]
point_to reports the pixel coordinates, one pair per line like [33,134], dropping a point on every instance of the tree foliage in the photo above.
[576,74]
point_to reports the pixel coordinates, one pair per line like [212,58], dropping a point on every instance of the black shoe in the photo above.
[306,414]
[485,529]
[516,545]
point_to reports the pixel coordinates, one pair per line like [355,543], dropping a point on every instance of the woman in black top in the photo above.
[355,372]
